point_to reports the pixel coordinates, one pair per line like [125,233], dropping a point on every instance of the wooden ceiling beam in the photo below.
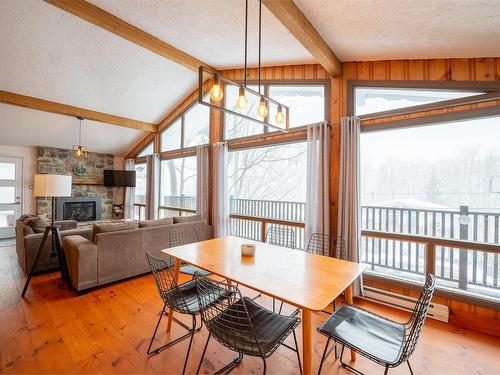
[63,109]
[117,26]
[299,26]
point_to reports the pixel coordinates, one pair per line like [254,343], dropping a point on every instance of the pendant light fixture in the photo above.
[265,105]
[79,150]
[242,101]
[216,92]
[262,110]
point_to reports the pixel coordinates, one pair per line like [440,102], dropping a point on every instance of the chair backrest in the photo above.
[225,315]
[165,282]
[280,236]
[414,326]
[183,236]
[318,244]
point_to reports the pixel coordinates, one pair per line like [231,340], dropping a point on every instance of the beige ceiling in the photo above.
[406,29]
[212,30]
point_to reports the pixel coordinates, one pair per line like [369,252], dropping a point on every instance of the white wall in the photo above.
[28,155]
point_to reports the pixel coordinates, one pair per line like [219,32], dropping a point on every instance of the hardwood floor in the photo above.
[107,331]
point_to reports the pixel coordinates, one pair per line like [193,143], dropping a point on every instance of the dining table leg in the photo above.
[348,299]
[177,268]
[306,341]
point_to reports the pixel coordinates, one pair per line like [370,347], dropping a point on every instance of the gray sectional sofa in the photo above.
[29,237]
[114,253]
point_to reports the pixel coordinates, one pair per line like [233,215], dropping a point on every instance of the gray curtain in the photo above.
[202,181]
[349,190]
[318,180]
[129,207]
[152,186]
[220,204]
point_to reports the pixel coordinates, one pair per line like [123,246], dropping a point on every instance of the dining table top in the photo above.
[305,280]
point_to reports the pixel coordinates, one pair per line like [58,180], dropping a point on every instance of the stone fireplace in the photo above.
[78,208]
[87,190]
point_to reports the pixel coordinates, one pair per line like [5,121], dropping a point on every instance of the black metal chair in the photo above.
[318,244]
[280,236]
[181,298]
[240,324]
[381,340]
[184,236]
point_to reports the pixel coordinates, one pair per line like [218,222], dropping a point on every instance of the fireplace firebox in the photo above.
[78,208]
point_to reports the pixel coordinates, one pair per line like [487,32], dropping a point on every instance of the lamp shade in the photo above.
[52,185]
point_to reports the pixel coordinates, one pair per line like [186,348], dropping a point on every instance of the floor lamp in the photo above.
[51,185]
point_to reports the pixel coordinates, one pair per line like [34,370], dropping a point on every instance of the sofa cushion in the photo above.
[187,219]
[27,230]
[113,227]
[156,223]
[36,223]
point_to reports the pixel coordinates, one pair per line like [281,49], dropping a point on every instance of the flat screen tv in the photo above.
[119,178]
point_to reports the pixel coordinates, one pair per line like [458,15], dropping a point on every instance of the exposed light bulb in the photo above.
[216,92]
[78,152]
[262,108]
[242,100]
[280,117]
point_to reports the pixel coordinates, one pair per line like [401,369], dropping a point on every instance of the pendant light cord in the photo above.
[260,36]
[246,40]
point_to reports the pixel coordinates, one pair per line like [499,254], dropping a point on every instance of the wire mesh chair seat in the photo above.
[182,298]
[242,325]
[184,236]
[379,339]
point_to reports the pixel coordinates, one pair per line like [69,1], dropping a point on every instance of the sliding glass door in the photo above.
[10,194]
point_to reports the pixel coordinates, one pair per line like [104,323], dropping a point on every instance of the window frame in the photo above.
[491,89]
[172,156]
[265,84]
[183,137]
[492,92]
[152,144]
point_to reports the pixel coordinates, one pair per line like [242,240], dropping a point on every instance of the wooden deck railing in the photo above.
[402,242]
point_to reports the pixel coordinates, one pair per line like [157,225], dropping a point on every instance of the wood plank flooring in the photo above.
[107,331]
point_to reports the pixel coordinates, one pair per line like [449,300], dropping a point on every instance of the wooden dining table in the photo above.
[307,281]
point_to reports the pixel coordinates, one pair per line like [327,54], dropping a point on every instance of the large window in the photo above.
[268,183]
[178,187]
[306,103]
[190,129]
[379,99]
[148,150]
[141,171]
[439,181]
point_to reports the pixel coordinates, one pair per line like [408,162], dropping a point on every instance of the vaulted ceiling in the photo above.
[51,54]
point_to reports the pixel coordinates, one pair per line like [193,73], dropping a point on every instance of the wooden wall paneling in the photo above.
[460,70]
[485,69]
[416,70]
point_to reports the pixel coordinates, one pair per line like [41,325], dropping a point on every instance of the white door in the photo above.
[10,194]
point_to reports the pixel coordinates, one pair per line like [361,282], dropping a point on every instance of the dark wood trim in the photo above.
[177,154]
[445,104]
[486,86]
[441,118]
[268,139]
